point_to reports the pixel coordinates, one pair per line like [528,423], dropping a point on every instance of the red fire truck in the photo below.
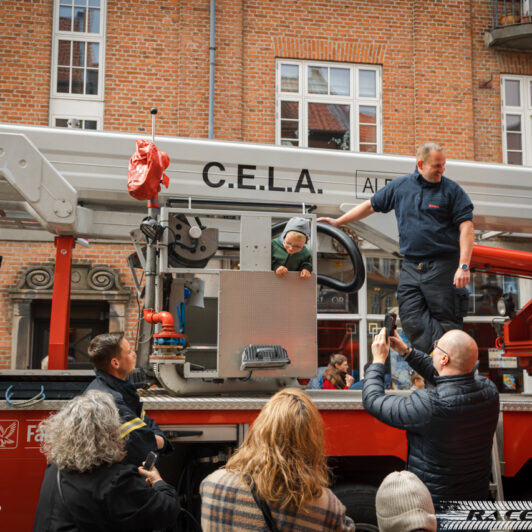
[224,333]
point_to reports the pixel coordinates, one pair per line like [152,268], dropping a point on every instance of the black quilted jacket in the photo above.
[449,427]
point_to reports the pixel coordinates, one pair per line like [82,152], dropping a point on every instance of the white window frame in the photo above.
[524,110]
[78,106]
[72,116]
[303,97]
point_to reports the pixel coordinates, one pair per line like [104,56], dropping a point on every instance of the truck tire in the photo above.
[359,501]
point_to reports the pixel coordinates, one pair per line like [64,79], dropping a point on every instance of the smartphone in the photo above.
[389,324]
[149,463]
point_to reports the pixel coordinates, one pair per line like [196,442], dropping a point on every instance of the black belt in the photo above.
[422,264]
[444,256]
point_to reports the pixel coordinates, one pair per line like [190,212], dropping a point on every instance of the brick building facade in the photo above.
[434,79]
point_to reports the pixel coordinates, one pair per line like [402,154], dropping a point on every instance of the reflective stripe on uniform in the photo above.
[142,414]
[130,426]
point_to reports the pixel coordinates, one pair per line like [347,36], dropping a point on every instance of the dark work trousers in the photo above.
[429,304]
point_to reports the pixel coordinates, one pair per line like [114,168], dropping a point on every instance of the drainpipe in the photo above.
[212,50]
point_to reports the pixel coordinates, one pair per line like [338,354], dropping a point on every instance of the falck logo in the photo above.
[8,434]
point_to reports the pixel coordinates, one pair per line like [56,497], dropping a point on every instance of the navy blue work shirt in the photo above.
[428,214]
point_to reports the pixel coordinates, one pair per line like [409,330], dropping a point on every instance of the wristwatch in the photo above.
[464,267]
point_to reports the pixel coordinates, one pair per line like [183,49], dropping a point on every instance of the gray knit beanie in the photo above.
[404,503]
[299,225]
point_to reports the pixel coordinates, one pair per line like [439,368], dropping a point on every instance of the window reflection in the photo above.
[513,122]
[368,128]
[318,80]
[94,21]
[63,53]
[340,82]
[328,126]
[382,279]
[63,80]
[65,18]
[485,290]
[512,92]
[78,79]
[290,123]
[367,84]
[289,78]
[339,337]
[93,54]
[79,19]
[92,82]
[78,53]
[337,266]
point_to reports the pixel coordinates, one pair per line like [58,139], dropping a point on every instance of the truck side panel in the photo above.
[517,441]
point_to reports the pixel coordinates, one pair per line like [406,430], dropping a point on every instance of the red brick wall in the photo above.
[434,66]
[25,41]
[142,65]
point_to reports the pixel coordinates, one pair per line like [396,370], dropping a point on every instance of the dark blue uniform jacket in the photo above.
[428,214]
[137,428]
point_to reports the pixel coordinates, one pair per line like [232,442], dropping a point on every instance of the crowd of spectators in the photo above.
[278,477]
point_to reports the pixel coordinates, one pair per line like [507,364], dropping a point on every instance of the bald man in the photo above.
[450,426]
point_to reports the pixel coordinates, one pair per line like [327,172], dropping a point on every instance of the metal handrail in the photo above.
[510,12]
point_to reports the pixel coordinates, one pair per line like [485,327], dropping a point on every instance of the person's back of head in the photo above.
[461,349]
[404,504]
[103,348]
[84,434]
[283,453]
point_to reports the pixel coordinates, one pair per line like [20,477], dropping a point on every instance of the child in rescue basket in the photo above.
[289,253]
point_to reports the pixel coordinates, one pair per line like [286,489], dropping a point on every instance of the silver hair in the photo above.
[424,150]
[84,434]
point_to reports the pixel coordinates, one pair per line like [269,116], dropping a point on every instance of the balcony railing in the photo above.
[511,25]
[510,12]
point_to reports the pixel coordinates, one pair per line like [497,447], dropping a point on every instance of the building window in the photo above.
[516,92]
[77,63]
[328,105]
[77,67]
[76,123]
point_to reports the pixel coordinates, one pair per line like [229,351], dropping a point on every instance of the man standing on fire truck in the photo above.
[113,361]
[436,233]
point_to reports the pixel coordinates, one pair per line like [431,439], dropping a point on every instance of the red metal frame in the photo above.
[517,437]
[517,340]
[60,315]
[502,261]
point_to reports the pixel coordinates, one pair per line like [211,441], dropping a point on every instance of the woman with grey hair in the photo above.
[85,486]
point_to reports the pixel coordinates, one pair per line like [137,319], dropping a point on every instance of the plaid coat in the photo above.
[227,504]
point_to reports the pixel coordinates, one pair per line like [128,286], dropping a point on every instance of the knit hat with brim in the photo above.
[404,503]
